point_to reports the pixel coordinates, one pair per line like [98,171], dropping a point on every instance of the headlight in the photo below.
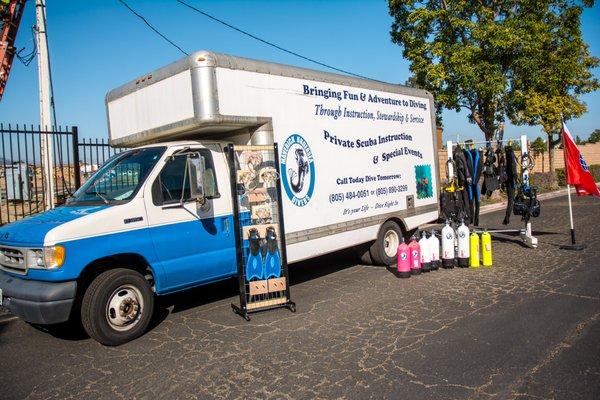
[54,256]
[35,259]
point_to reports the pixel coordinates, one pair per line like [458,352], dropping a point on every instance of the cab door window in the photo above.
[172,185]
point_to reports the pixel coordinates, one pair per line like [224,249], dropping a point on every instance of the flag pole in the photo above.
[573,245]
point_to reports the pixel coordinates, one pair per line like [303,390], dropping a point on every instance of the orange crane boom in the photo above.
[10,12]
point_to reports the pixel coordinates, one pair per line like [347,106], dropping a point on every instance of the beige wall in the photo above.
[591,153]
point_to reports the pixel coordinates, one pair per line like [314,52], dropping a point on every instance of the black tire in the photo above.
[363,253]
[390,235]
[127,289]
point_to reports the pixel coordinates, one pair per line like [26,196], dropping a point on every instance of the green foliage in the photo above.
[492,58]
[578,140]
[553,68]
[594,137]
[538,146]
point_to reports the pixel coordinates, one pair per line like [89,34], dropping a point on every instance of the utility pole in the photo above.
[46,140]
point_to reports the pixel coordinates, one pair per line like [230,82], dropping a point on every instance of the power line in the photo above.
[270,43]
[152,27]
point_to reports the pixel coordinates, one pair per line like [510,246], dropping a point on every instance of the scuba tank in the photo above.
[425,253]
[415,256]
[403,260]
[448,246]
[463,245]
[474,256]
[434,249]
[486,249]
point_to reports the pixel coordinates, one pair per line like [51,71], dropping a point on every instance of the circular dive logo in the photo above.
[297,170]
[403,256]
[448,235]
[583,163]
[462,235]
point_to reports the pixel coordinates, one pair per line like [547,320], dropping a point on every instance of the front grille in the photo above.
[13,260]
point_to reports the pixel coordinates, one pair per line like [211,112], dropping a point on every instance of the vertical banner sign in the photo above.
[260,234]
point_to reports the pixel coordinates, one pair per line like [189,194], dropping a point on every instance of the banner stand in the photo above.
[573,245]
[259,231]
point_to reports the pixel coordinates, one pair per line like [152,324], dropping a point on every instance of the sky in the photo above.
[97,45]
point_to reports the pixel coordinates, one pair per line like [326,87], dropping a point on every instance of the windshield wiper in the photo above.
[97,193]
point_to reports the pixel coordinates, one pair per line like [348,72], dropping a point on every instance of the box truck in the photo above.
[358,168]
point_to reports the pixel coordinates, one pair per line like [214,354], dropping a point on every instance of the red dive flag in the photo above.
[577,171]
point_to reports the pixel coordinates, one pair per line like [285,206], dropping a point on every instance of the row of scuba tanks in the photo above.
[459,247]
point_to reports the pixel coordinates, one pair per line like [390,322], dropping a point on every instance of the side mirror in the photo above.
[196,167]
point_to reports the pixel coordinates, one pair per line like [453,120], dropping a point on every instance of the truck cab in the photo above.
[139,217]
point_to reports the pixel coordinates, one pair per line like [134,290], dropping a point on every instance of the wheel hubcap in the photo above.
[391,242]
[124,308]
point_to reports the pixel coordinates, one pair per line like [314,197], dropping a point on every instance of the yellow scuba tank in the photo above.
[486,249]
[474,250]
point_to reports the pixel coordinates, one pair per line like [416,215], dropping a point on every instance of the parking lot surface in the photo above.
[527,328]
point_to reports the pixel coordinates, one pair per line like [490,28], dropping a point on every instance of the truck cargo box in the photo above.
[353,153]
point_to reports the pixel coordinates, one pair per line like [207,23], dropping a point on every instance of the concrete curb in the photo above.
[6,318]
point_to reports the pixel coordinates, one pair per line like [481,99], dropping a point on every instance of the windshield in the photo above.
[119,179]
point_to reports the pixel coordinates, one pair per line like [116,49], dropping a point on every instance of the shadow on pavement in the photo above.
[299,273]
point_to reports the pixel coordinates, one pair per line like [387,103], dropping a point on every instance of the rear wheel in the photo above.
[383,250]
[363,253]
[117,306]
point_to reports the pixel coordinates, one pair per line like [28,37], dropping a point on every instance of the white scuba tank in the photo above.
[463,245]
[425,253]
[448,246]
[434,248]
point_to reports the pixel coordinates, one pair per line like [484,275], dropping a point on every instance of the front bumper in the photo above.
[38,302]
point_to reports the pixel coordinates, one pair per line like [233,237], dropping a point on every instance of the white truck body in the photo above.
[363,139]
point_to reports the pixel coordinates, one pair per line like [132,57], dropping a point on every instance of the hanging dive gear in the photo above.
[463,177]
[490,172]
[511,178]
[526,203]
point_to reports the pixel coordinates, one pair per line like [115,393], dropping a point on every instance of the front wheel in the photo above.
[117,307]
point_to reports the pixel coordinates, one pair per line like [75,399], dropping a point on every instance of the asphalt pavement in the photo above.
[527,328]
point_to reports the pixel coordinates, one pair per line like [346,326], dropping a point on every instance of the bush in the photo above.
[562,179]
[543,180]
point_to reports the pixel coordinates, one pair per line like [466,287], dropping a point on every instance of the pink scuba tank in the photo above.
[415,256]
[403,260]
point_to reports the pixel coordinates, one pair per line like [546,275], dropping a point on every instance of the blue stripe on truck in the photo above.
[180,255]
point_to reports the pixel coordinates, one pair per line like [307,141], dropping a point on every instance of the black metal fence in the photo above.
[22,179]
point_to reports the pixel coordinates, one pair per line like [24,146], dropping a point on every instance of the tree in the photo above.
[552,70]
[578,140]
[461,52]
[538,146]
[493,58]
[594,137]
